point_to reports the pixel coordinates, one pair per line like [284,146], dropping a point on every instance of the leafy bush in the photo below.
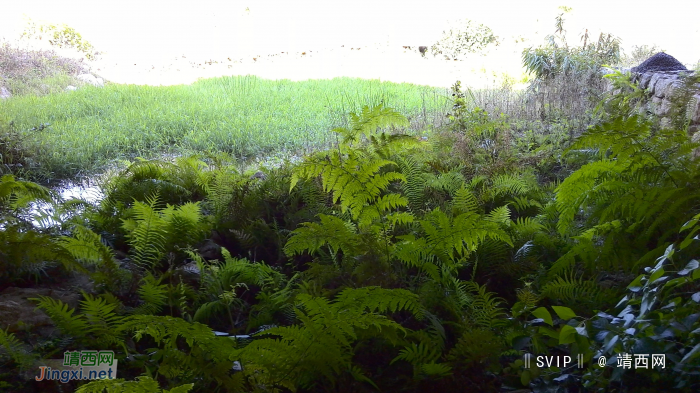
[464,37]
[60,36]
[567,83]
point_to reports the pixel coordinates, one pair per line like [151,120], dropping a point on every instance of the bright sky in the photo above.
[216,28]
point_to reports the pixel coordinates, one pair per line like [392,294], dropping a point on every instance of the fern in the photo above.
[153,232]
[220,282]
[17,194]
[449,239]
[414,186]
[474,348]
[62,316]
[322,346]
[332,231]
[153,295]
[102,320]
[14,349]
[484,308]
[142,384]
[147,234]
[26,251]
[511,185]
[204,354]
[569,289]
[634,194]
[418,354]
[465,202]
[356,182]
[97,322]
[185,179]
[368,121]
[88,249]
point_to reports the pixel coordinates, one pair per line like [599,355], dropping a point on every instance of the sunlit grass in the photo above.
[245,116]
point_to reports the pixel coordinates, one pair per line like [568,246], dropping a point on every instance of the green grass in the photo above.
[245,116]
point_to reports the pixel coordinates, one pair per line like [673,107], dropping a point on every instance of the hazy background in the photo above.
[156,29]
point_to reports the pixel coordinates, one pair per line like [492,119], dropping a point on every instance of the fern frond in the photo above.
[61,315]
[87,247]
[414,186]
[568,288]
[484,308]
[376,299]
[13,348]
[103,321]
[417,354]
[338,234]
[465,202]
[142,384]
[499,215]
[16,194]
[153,295]
[368,121]
[204,354]
[510,185]
[146,233]
[461,234]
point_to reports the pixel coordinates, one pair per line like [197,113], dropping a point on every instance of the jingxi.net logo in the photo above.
[80,365]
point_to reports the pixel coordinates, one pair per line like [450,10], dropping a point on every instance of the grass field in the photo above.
[242,115]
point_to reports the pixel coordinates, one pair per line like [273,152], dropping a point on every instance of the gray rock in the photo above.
[17,312]
[664,108]
[91,79]
[659,62]
[645,79]
[210,250]
[4,93]
[655,78]
[661,87]
[258,175]
[696,109]
[71,88]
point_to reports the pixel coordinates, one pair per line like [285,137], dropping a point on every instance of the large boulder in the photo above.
[659,62]
[91,79]
[18,313]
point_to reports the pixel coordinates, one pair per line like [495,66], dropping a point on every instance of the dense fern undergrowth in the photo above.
[387,263]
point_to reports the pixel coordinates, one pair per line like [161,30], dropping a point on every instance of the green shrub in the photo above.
[59,36]
[463,38]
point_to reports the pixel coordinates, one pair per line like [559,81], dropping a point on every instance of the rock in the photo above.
[258,175]
[659,62]
[422,50]
[665,123]
[655,78]
[675,91]
[645,79]
[17,312]
[663,78]
[695,138]
[695,110]
[210,250]
[91,79]
[663,109]
[71,88]
[4,93]
[662,86]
